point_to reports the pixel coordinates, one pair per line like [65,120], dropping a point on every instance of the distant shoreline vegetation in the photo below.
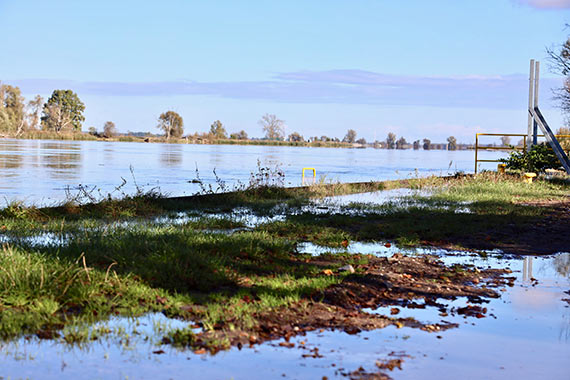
[60,117]
[140,137]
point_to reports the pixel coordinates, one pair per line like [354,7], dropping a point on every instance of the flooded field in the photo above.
[522,333]
[526,334]
[40,172]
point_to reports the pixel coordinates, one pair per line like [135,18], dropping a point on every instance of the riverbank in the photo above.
[190,139]
[240,268]
[84,136]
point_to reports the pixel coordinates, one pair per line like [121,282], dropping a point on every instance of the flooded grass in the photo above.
[245,268]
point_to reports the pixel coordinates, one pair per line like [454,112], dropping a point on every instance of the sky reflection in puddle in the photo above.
[529,338]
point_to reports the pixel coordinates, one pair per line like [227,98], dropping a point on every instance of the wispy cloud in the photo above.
[546,4]
[334,86]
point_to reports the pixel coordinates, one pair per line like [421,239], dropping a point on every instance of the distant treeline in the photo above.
[61,117]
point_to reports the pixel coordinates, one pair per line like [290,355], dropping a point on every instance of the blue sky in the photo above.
[419,68]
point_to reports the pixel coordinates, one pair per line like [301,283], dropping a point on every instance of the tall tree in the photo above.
[559,58]
[273,127]
[416,144]
[350,136]
[401,143]
[217,130]
[34,112]
[391,141]
[12,113]
[109,129]
[171,123]
[427,143]
[451,143]
[63,110]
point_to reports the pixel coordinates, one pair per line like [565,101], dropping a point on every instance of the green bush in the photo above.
[538,159]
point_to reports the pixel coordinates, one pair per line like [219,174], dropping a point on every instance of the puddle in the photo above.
[365,248]
[44,239]
[529,338]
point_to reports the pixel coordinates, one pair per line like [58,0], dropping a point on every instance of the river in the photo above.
[41,172]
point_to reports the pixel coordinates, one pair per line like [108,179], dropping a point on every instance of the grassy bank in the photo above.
[196,258]
[83,136]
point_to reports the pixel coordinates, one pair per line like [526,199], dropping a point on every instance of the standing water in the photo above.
[40,171]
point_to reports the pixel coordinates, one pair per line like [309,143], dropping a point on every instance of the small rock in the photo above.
[347,268]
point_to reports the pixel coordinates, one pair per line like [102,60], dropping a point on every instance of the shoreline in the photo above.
[317,144]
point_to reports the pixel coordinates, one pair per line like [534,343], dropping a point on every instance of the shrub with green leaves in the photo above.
[539,158]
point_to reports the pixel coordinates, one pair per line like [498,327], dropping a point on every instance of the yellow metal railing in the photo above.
[477,147]
[314,174]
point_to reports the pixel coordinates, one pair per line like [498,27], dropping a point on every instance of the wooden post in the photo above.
[530,105]
[535,124]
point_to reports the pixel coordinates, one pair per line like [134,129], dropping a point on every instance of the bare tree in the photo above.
[391,140]
[559,58]
[505,141]
[273,127]
[57,118]
[350,136]
[34,108]
[109,129]
[171,123]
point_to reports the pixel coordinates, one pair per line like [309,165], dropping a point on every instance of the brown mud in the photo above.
[401,281]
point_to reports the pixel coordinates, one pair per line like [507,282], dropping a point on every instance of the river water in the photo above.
[40,171]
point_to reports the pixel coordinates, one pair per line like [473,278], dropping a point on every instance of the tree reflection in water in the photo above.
[63,159]
[171,155]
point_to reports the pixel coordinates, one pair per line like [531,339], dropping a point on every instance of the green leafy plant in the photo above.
[539,158]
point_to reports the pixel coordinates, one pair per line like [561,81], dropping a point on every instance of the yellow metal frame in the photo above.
[477,148]
[314,172]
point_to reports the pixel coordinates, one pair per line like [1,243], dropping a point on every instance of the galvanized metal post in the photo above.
[536,81]
[530,105]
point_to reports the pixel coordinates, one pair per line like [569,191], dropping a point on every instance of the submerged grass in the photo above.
[131,256]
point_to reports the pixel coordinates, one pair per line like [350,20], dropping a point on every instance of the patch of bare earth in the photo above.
[400,280]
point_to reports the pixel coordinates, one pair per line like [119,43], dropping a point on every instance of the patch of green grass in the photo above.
[39,292]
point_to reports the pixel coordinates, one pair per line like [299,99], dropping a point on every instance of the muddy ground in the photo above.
[398,281]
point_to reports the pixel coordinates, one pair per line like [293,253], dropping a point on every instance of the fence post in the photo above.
[530,104]
[476,149]
[535,124]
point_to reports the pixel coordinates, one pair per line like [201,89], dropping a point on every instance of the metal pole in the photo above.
[476,148]
[535,124]
[530,102]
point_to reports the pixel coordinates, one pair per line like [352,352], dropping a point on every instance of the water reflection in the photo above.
[63,159]
[562,264]
[11,161]
[171,154]
[11,158]
[527,269]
